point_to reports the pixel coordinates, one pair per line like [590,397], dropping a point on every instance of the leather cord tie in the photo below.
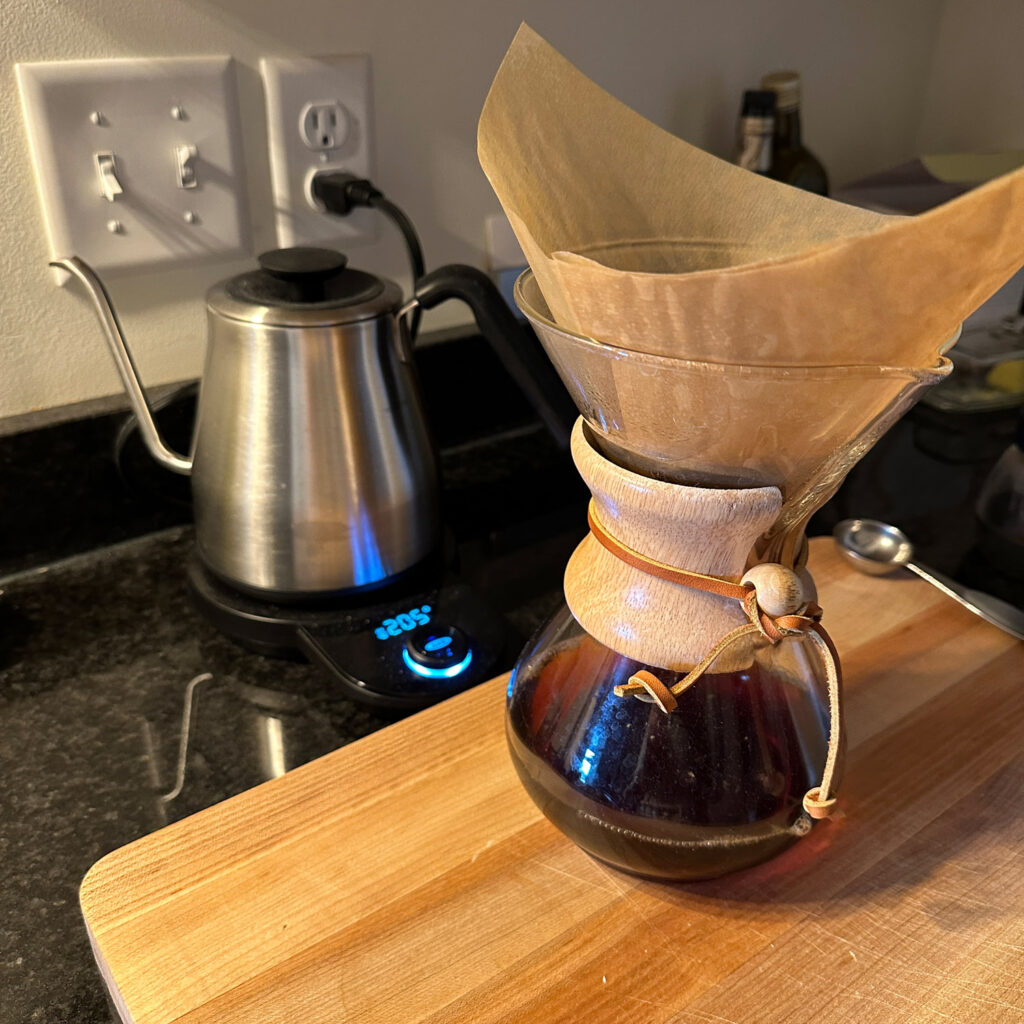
[818,802]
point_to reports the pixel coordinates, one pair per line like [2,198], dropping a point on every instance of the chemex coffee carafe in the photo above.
[733,346]
[680,716]
[313,471]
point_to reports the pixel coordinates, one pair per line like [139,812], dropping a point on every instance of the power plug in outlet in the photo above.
[318,118]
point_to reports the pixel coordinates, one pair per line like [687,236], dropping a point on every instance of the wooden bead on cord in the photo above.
[779,590]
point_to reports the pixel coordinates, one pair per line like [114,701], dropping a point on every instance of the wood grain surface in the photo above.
[704,529]
[408,878]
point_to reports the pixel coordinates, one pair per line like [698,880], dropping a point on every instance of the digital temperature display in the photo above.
[403,622]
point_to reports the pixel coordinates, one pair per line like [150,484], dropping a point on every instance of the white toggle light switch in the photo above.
[106,169]
[130,132]
[185,160]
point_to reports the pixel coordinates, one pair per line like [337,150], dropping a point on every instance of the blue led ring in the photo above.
[437,673]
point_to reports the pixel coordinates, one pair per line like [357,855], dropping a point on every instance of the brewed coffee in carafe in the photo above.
[713,787]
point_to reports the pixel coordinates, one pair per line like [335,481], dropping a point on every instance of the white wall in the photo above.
[975,95]
[682,63]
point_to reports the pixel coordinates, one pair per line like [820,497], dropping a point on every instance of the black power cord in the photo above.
[520,352]
[339,192]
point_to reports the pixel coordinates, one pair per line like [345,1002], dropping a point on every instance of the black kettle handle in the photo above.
[513,343]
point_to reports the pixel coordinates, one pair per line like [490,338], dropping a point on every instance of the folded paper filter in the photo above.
[717,328]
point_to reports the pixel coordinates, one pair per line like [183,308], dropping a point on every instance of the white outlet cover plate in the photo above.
[503,248]
[153,222]
[290,85]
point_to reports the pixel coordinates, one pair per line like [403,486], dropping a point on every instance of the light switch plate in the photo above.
[144,114]
[319,117]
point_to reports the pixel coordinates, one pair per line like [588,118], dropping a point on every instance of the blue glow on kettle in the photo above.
[437,673]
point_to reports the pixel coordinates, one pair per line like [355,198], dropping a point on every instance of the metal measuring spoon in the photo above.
[878,548]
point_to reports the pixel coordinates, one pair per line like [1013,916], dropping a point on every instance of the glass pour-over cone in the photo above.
[799,428]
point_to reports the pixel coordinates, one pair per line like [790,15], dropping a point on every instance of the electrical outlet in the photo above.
[138,162]
[324,126]
[318,118]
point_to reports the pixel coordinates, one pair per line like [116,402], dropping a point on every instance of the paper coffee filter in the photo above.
[716,425]
[642,241]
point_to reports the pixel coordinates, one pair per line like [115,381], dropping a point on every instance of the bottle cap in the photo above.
[786,86]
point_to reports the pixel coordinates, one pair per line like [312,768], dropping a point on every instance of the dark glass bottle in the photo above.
[757,125]
[792,162]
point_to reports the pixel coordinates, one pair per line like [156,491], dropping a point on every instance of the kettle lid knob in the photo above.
[303,286]
[303,263]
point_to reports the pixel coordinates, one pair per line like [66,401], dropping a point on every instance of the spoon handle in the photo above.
[993,609]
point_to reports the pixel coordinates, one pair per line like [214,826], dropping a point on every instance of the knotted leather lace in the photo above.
[818,802]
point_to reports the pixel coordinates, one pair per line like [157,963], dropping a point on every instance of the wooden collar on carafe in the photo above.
[772,597]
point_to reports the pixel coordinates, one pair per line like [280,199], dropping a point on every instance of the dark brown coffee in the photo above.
[711,788]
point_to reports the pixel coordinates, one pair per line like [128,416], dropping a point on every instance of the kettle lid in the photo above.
[304,286]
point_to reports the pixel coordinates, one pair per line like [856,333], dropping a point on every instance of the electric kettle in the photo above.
[313,471]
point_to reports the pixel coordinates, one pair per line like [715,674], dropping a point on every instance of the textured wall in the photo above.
[975,96]
[682,63]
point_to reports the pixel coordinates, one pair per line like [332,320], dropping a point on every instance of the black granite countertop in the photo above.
[98,650]
[96,654]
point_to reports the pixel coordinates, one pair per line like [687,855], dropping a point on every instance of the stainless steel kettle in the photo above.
[313,470]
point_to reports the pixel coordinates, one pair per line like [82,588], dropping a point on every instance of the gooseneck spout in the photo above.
[166,456]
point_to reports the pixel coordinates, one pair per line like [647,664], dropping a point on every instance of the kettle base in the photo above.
[398,648]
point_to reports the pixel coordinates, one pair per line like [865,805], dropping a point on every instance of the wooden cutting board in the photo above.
[408,878]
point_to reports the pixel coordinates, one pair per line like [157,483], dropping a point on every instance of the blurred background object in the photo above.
[792,162]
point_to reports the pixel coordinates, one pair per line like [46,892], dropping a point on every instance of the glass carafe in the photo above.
[708,469]
[713,787]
